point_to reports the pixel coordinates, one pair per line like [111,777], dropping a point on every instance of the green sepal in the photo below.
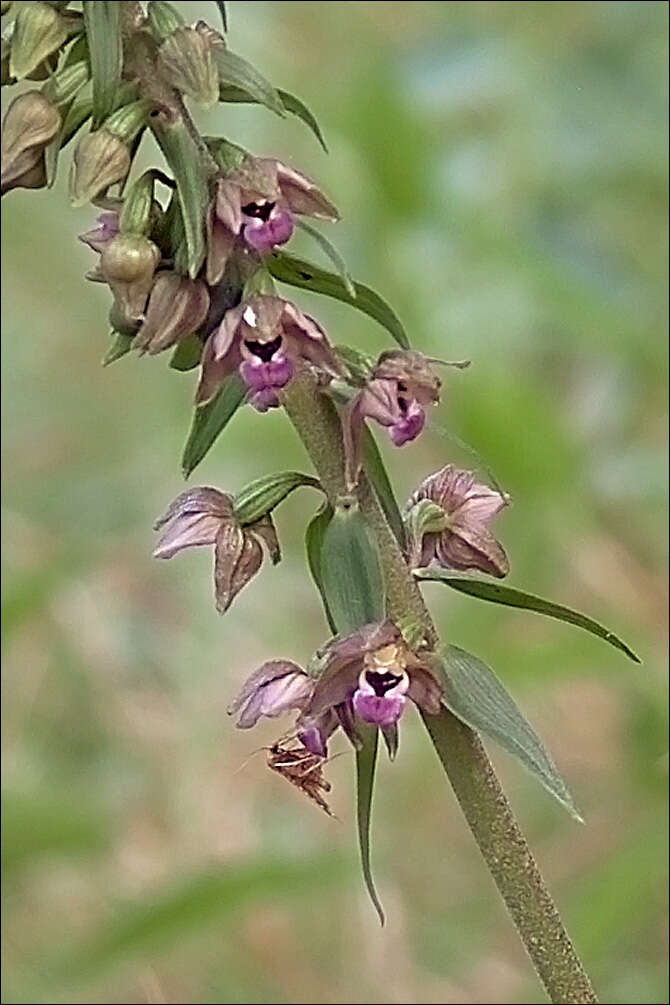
[306,276]
[102,19]
[210,419]
[262,495]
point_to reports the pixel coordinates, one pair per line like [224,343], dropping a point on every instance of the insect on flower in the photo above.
[303,769]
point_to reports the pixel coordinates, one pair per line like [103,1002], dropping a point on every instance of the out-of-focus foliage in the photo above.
[501,168]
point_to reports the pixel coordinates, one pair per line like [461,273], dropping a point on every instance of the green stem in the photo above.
[465,761]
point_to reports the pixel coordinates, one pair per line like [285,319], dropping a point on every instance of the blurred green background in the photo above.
[501,170]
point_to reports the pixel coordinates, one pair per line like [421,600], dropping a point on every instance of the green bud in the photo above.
[125,123]
[100,159]
[128,264]
[261,496]
[39,30]
[187,61]
[103,157]
[30,124]
[136,215]
[62,87]
[163,19]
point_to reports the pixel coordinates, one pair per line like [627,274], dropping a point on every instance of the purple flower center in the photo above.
[380,697]
[266,225]
[410,425]
[264,369]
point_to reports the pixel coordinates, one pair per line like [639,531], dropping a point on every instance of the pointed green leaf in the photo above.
[210,419]
[314,535]
[331,252]
[103,31]
[238,72]
[187,354]
[351,569]
[374,468]
[508,596]
[293,105]
[261,496]
[306,276]
[475,695]
[121,344]
[366,763]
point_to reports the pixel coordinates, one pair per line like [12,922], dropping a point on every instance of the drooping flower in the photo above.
[401,387]
[177,307]
[262,339]
[204,516]
[367,677]
[460,538]
[257,202]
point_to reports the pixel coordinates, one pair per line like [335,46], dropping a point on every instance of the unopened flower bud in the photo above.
[30,124]
[103,157]
[163,19]
[177,307]
[39,30]
[187,60]
[128,264]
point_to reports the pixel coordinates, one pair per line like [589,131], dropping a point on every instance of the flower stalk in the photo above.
[470,772]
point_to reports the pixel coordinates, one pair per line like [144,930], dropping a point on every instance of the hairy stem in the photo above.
[465,761]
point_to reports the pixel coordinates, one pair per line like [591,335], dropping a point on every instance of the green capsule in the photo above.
[261,496]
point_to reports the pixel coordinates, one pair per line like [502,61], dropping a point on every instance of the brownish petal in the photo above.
[177,307]
[197,500]
[266,531]
[229,545]
[220,243]
[474,547]
[425,690]
[302,195]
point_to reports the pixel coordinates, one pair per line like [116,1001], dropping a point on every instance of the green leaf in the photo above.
[306,276]
[351,569]
[366,763]
[475,695]
[373,465]
[187,354]
[331,252]
[187,163]
[261,496]
[314,535]
[103,31]
[211,419]
[508,596]
[236,71]
[121,344]
[237,95]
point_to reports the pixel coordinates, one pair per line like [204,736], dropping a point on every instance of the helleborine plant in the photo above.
[194,271]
